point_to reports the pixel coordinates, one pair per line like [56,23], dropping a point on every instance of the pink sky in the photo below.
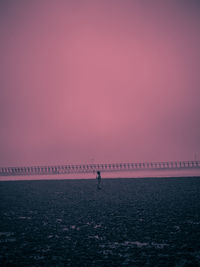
[99,81]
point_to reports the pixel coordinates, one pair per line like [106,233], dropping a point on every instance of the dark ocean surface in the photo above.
[129,222]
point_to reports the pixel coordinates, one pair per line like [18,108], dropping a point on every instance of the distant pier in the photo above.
[92,168]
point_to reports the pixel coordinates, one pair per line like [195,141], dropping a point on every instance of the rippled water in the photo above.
[130,222]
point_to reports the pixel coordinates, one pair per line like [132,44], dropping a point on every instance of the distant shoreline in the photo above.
[82,179]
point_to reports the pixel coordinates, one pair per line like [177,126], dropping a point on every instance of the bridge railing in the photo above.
[92,168]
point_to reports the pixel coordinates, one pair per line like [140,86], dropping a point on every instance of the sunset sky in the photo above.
[99,81]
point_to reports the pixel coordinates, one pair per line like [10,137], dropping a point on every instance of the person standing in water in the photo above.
[98,180]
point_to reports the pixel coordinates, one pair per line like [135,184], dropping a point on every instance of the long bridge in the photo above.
[93,168]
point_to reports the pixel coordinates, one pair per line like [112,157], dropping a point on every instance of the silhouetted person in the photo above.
[98,180]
